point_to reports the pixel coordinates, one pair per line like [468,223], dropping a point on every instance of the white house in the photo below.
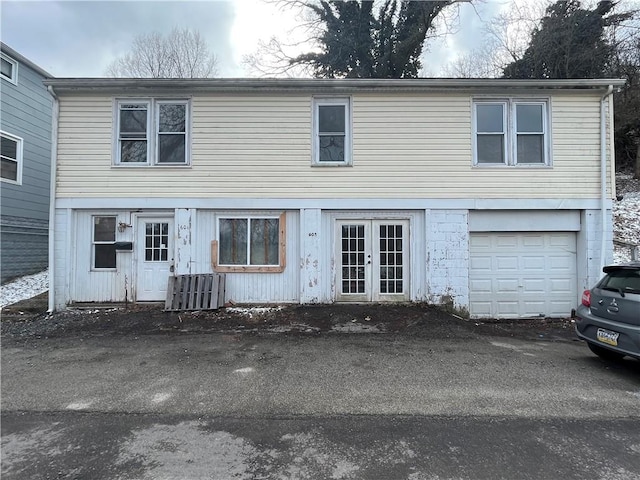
[490,196]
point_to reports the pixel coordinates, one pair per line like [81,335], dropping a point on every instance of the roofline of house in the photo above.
[244,85]
[6,49]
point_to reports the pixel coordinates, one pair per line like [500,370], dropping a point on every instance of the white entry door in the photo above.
[155,257]
[373,260]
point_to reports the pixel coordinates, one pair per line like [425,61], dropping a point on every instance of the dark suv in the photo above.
[609,317]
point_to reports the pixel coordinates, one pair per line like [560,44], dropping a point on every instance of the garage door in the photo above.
[522,275]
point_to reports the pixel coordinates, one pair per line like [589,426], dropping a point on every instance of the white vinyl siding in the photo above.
[404,146]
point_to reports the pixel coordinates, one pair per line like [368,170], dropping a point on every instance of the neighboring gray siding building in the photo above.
[25,130]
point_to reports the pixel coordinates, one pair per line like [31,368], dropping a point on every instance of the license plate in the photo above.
[608,337]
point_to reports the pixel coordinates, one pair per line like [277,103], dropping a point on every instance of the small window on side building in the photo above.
[8,68]
[11,158]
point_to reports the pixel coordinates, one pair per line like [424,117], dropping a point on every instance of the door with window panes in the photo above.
[373,260]
[155,257]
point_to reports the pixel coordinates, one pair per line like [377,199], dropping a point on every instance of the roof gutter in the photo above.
[102,85]
[603,175]
[6,49]
[52,199]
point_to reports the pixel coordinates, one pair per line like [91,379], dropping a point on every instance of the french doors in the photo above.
[372,260]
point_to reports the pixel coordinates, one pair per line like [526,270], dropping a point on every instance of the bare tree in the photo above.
[504,39]
[479,63]
[181,54]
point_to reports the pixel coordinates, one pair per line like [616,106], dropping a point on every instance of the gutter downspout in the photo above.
[603,175]
[52,199]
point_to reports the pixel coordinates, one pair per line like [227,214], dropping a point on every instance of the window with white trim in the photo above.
[152,132]
[104,243]
[10,158]
[331,131]
[511,132]
[250,244]
[8,68]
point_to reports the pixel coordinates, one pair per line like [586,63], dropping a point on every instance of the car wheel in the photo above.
[605,353]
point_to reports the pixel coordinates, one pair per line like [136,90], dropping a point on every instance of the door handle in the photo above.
[171,269]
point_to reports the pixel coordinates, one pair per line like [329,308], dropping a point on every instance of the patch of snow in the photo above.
[355,328]
[79,405]
[244,371]
[251,311]
[626,225]
[24,288]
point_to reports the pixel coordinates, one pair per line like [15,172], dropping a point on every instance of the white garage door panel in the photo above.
[522,275]
[534,285]
[506,264]
[481,285]
[483,309]
[481,263]
[533,264]
[507,284]
[533,241]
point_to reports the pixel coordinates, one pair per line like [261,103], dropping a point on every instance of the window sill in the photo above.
[11,182]
[331,164]
[11,80]
[248,269]
[502,165]
[146,165]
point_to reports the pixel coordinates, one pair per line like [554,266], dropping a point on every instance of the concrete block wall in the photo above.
[589,246]
[447,234]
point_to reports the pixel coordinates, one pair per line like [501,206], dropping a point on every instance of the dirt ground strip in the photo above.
[29,320]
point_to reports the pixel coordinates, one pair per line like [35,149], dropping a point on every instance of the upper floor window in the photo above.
[11,158]
[511,132]
[331,131]
[8,68]
[152,132]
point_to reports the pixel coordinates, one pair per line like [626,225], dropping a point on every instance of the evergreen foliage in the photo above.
[367,39]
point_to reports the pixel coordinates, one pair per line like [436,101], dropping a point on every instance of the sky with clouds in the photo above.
[80,38]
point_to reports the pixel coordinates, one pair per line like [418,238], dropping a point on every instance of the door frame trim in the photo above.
[135,221]
[413,236]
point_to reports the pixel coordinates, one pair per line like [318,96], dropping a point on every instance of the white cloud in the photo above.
[257,21]
[69,38]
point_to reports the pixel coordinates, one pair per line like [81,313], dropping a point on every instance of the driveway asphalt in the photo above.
[432,400]
[250,375]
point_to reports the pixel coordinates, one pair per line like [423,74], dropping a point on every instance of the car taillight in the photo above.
[586,298]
